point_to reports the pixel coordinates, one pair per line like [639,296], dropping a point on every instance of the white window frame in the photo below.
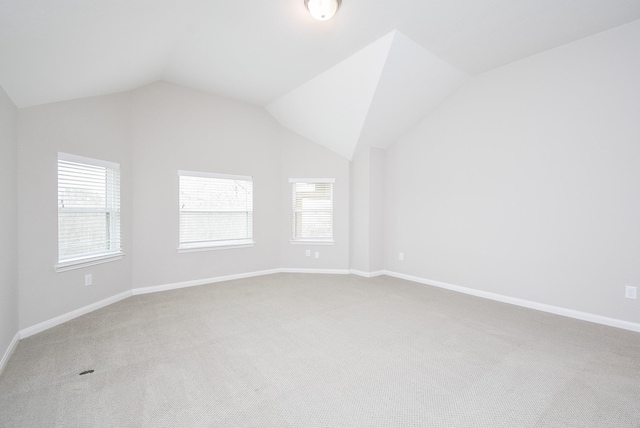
[114,239]
[311,240]
[184,247]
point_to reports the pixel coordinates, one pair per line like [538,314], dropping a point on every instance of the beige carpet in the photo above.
[303,350]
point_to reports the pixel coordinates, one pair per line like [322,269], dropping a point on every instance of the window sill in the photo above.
[88,261]
[212,247]
[311,242]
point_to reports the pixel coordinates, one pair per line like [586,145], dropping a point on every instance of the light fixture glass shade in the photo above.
[322,9]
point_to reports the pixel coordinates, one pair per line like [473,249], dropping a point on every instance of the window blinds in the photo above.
[312,209]
[215,209]
[88,207]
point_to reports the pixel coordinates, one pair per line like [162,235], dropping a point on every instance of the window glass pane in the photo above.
[312,210]
[314,225]
[214,210]
[214,226]
[88,209]
[82,234]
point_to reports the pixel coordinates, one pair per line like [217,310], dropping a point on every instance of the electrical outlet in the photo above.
[401,256]
[317,254]
[631,292]
[308,253]
[88,279]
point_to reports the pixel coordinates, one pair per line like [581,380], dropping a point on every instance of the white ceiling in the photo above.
[370,98]
[262,51]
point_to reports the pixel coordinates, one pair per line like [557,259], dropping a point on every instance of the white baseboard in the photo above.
[176,285]
[584,316]
[30,331]
[9,351]
[366,274]
[324,271]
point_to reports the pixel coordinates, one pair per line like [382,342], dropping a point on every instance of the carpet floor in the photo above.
[307,350]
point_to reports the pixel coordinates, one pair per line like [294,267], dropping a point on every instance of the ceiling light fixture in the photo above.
[322,10]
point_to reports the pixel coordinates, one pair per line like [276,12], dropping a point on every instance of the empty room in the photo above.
[319,213]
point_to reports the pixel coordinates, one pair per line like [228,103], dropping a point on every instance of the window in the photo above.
[88,212]
[216,210]
[312,213]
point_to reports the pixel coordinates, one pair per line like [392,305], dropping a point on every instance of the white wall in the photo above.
[359,214]
[153,132]
[367,210]
[376,208]
[8,223]
[97,127]
[175,128]
[525,183]
[302,158]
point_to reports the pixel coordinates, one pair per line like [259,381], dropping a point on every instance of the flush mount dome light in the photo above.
[322,10]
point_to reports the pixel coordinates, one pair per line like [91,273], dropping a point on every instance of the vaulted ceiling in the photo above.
[363,77]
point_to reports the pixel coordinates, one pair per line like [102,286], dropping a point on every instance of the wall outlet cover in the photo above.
[631,292]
